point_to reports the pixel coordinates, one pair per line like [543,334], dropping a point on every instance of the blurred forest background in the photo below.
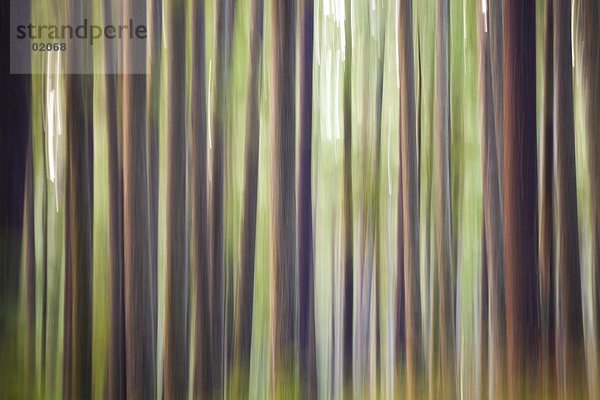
[306,199]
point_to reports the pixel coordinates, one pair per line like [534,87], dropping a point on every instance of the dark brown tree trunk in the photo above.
[492,206]
[78,285]
[486,391]
[15,118]
[116,352]
[569,322]
[153,79]
[307,340]
[245,297]
[443,217]
[547,263]
[495,29]
[520,196]
[283,201]
[225,9]
[139,345]
[348,261]
[410,200]
[78,220]
[200,221]
[15,139]
[176,281]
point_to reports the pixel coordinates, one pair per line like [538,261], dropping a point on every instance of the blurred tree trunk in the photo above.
[569,321]
[377,258]
[520,196]
[245,296]
[400,307]
[400,340]
[495,29]
[348,261]
[116,352]
[485,374]
[139,325]
[15,119]
[78,270]
[44,265]
[410,200]
[153,79]
[78,281]
[200,219]
[283,201]
[224,39]
[492,209]
[547,264]
[590,65]
[176,280]
[443,211]
[307,340]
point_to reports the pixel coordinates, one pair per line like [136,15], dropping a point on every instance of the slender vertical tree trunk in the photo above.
[377,241]
[348,261]
[139,344]
[153,79]
[200,220]
[485,391]
[44,264]
[283,201]
[245,297]
[15,119]
[116,351]
[79,221]
[520,196]
[400,340]
[410,203]
[546,253]
[495,28]
[176,282]
[442,202]
[220,127]
[68,309]
[15,139]
[78,284]
[307,345]
[569,323]
[492,219]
